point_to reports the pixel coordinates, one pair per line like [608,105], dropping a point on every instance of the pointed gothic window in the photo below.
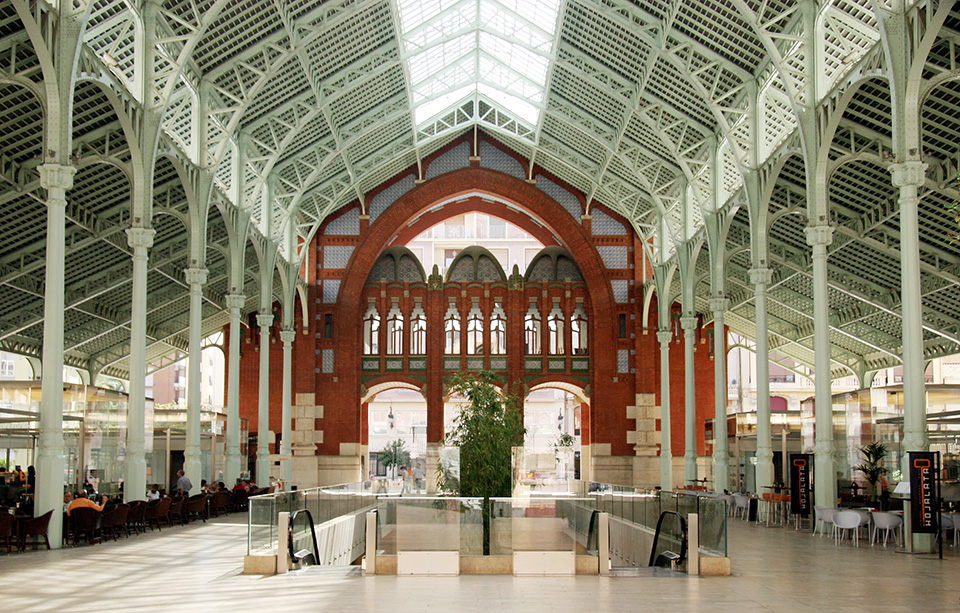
[475,331]
[395,331]
[371,331]
[498,331]
[555,322]
[578,331]
[531,330]
[451,331]
[418,331]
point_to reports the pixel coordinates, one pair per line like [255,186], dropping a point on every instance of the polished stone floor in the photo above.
[197,568]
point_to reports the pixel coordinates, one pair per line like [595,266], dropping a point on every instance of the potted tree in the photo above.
[487,429]
[873,471]
[395,453]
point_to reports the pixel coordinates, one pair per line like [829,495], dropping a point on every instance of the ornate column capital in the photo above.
[688,322]
[235,301]
[665,336]
[56,176]
[908,173]
[195,276]
[761,276]
[719,304]
[140,238]
[287,335]
[264,320]
[819,236]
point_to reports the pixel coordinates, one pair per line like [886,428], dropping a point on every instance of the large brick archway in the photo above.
[390,228]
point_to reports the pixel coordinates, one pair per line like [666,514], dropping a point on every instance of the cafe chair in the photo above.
[844,521]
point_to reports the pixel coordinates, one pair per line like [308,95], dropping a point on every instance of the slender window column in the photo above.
[192,467]
[235,302]
[264,320]
[51,462]
[689,325]
[825,479]
[135,464]
[760,278]
[286,436]
[721,453]
[666,451]
[908,177]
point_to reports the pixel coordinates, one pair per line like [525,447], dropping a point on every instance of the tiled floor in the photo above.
[197,568]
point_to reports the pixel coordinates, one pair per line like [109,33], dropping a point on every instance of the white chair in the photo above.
[824,516]
[948,524]
[742,506]
[887,522]
[865,520]
[844,521]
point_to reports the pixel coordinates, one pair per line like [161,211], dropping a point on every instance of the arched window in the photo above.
[418,331]
[451,330]
[395,331]
[578,331]
[498,331]
[555,322]
[531,330]
[475,330]
[371,331]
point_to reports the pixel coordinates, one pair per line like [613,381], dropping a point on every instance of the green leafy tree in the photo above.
[487,429]
[872,466]
[395,454]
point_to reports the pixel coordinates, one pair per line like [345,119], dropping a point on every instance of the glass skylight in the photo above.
[498,50]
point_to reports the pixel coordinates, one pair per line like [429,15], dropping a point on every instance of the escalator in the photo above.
[669,542]
[302,541]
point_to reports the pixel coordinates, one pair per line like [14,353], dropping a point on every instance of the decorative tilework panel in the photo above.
[498,363]
[331,287]
[614,256]
[463,271]
[410,271]
[581,364]
[395,364]
[488,270]
[337,256]
[556,364]
[388,196]
[455,159]
[542,271]
[371,364]
[566,269]
[623,361]
[603,224]
[385,269]
[533,363]
[451,364]
[491,157]
[328,361]
[474,364]
[562,196]
[347,224]
[621,291]
[417,364]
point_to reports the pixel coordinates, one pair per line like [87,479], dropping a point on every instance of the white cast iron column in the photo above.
[196,277]
[232,466]
[264,320]
[721,452]
[689,325]
[666,451]
[760,278]
[286,436]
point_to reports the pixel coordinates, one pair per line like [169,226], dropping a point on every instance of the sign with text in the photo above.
[800,484]
[923,491]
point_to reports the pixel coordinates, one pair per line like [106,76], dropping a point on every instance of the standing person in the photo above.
[419,475]
[183,484]
[31,479]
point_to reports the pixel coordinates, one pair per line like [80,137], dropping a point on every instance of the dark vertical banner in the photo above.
[923,490]
[800,484]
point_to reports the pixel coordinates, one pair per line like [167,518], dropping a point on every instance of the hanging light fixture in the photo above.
[390,418]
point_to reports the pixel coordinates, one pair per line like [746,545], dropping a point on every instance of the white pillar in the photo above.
[264,320]
[51,462]
[286,429]
[721,452]
[760,278]
[825,479]
[232,466]
[196,277]
[135,463]
[689,325]
[908,177]
[666,452]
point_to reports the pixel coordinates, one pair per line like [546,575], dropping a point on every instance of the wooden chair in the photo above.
[36,526]
[219,502]
[135,516]
[7,524]
[85,521]
[117,521]
[195,505]
[157,511]
[175,510]
[238,500]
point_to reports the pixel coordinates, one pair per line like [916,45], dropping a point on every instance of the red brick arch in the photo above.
[393,222]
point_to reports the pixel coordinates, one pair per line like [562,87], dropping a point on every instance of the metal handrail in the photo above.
[683,538]
[313,537]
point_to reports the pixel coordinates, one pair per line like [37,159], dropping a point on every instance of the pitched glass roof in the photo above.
[499,50]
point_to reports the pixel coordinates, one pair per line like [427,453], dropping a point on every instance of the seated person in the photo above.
[82,501]
[154,493]
[240,486]
[67,499]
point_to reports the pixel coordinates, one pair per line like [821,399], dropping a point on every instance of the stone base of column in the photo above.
[825,480]
[231,468]
[765,475]
[608,468]
[134,478]
[646,470]
[50,469]
[432,469]
[306,470]
[193,469]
